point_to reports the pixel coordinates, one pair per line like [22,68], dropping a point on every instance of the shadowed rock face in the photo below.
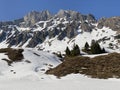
[18,38]
[39,25]
[38,37]
[86,27]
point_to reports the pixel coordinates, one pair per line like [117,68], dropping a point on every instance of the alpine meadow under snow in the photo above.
[42,37]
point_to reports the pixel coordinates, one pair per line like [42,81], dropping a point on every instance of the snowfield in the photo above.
[34,64]
[29,75]
[71,82]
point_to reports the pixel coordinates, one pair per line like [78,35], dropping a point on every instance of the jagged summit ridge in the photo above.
[34,16]
[44,30]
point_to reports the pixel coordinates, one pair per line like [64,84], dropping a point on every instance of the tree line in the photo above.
[74,52]
[93,49]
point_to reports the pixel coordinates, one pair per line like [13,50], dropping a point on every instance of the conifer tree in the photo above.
[95,48]
[67,51]
[86,46]
[103,50]
[75,51]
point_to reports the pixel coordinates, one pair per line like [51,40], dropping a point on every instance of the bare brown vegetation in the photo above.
[106,66]
[13,54]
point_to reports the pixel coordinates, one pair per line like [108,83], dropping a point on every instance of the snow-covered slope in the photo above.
[104,35]
[34,64]
[29,75]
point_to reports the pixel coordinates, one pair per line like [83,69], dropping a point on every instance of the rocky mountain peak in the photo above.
[73,15]
[34,16]
[69,14]
[91,18]
[39,28]
[61,13]
[46,12]
[113,23]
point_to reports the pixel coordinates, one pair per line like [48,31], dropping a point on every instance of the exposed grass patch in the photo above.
[103,67]
[14,55]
